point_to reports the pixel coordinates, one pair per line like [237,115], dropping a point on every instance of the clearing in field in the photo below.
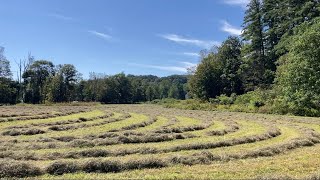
[146,141]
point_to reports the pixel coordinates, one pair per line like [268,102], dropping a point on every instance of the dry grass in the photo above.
[146,141]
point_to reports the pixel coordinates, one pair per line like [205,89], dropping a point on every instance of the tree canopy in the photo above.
[278,51]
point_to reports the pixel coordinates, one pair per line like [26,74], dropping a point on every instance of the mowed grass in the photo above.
[78,132]
[139,145]
[217,125]
[248,128]
[134,119]
[90,114]
[185,121]
[299,164]
[161,121]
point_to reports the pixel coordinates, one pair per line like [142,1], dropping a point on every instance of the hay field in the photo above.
[151,142]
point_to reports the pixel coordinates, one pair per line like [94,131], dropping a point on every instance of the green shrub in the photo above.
[225,100]
[254,101]
[252,98]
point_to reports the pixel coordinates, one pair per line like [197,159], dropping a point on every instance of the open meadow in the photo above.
[148,141]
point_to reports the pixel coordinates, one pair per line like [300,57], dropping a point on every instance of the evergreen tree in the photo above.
[254,67]
[276,23]
[279,19]
[297,12]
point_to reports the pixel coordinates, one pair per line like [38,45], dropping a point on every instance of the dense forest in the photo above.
[277,56]
[40,81]
[274,63]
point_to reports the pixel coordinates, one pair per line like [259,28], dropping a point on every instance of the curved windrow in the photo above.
[112,141]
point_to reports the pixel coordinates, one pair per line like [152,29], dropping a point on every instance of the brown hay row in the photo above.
[182,129]
[9,168]
[78,126]
[271,133]
[15,132]
[232,127]
[64,122]
[28,130]
[40,115]
[204,157]
[104,166]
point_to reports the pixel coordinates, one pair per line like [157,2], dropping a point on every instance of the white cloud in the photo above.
[181,69]
[183,40]
[242,3]
[100,35]
[231,29]
[188,64]
[191,54]
[61,17]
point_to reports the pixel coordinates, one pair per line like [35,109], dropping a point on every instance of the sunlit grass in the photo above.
[217,125]
[249,128]
[90,114]
[185,122]
[161,121]
[135,118]
[297,162]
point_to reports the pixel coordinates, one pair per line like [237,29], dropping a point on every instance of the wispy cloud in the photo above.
[100,35]
[231,29]
[242,3]
[183,40]
[183,68]
[188,64]
[191,54]
[61,17]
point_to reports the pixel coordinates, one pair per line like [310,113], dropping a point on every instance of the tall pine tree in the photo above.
[254,67]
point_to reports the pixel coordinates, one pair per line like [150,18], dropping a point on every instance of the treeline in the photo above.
[131,89]
[40,81]
[278,53]
[274,64]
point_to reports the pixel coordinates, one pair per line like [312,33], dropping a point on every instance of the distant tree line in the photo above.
[277,55]
[40,81]
[120,88]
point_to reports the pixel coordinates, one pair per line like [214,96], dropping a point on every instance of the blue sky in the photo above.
[159,37]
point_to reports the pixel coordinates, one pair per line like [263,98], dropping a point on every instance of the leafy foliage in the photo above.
[218,72]
[298,77]
[4,65]
[8,91]
[279,40]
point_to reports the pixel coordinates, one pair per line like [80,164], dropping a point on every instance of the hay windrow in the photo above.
[120,139]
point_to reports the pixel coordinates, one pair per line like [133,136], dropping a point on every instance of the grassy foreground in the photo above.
[151,142]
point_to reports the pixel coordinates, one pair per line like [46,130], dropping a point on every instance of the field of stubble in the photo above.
[151,142]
